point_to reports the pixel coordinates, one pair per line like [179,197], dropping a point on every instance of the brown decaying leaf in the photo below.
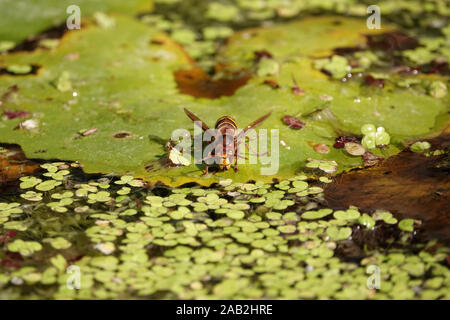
[13,164]
[197,83]
[410,185]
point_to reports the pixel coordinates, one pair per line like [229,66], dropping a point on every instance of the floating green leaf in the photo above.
[337,233]
[420,146]
[309,215]
[25,248]
[406,225]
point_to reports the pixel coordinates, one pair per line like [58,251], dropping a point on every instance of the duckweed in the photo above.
[19,68]
[337,66]
[200,243]
[25,248]
[350,214]
[406,225]
[324,165]
[420,146]
[374,137]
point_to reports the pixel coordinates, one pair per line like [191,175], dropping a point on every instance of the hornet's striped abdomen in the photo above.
[225,124]
[227,128]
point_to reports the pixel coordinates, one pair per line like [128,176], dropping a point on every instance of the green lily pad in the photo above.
[131,113]
[54,12]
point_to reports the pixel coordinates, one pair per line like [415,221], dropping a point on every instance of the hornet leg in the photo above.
[206,170]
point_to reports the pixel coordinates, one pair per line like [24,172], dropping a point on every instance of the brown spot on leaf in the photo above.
[371,81]
[157,41]
[197,83]
[293,122]
[122,135]
[391,41]
[262,54]
[342,140]
[347,50]
[31,43]
[272,83]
